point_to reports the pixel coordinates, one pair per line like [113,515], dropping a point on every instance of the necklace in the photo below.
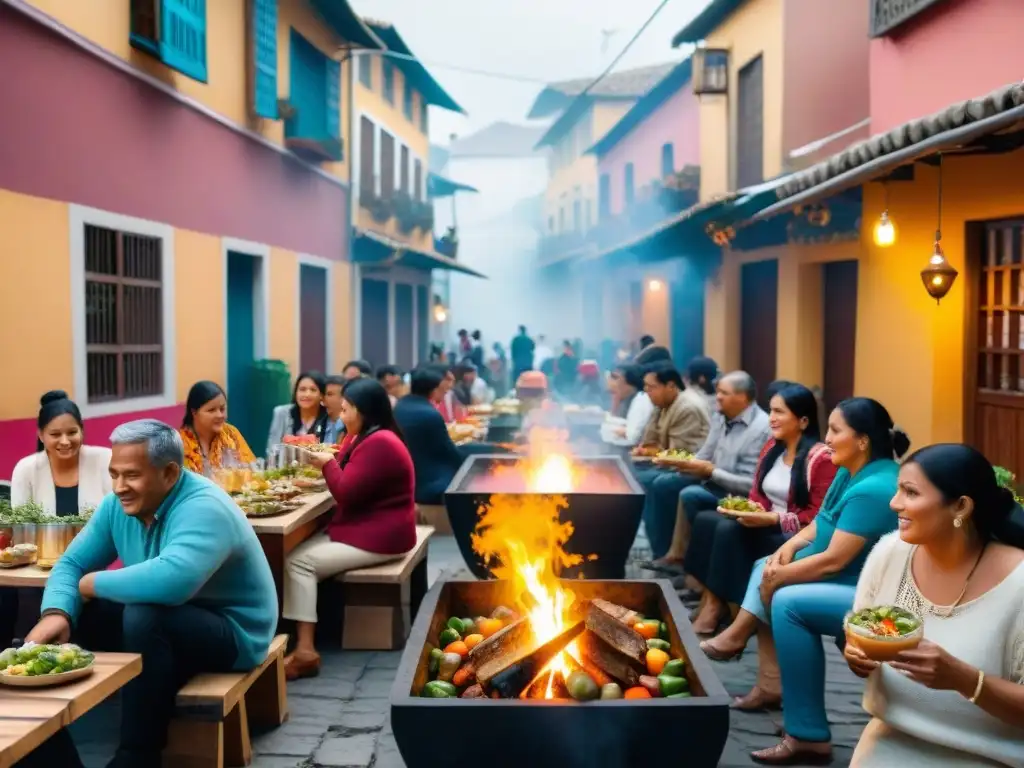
[946,611]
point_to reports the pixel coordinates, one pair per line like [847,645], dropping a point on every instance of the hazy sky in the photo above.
[539,40]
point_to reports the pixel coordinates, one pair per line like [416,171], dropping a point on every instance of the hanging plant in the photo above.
[405,212]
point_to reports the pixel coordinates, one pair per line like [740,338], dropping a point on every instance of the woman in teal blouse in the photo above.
[805,589]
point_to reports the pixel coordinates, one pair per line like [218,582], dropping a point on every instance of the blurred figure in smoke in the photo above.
[590,383]
[498,366]
[522,348]
[646,341]
[465,345]
[543,356]
[566,369]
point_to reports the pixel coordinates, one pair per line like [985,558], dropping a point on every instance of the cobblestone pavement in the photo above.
[340,719]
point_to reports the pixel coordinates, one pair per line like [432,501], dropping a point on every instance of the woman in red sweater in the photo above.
[372,481]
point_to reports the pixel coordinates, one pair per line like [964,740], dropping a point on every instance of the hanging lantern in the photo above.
[885,231]
[939,275]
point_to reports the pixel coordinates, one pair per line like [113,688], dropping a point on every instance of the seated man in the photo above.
[726,463]
[195,595]
[681,421]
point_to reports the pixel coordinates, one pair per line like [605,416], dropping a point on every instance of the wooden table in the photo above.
[29,716]
[25,576]
[280,534]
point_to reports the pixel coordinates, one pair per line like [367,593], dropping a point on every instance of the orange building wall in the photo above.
[199,282]
[910,352]
[284,295]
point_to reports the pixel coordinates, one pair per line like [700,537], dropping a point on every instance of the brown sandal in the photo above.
[787,753]
[296,668]
[757,701]
[715,654]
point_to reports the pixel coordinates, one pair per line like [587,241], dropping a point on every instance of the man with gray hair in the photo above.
[195,594]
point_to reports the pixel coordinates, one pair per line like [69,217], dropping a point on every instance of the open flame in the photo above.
[522,540]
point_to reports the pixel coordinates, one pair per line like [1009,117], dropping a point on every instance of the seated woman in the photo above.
[448,405]
[306,414]
[804,590]
[792,477]
[375,520]
[210,442]
[958,563]
[63,476]
[630,404]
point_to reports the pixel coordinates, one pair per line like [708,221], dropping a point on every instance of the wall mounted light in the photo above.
[885,229]
[440,313]
[654,285]
[939,275]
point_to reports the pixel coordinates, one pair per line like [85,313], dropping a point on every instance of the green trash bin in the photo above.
[270,385]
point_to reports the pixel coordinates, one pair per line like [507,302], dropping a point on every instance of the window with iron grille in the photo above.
[366,70]
[123,315]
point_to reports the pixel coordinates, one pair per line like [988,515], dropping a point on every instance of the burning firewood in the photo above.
[602,621]
[616,665]
[619,613]
[514,679]
[539,687]
[502,649]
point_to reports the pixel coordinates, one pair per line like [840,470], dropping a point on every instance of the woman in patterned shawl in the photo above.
[210,442]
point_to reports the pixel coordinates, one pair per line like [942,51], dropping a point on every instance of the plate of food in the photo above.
[481,409]
[18,555]
[673,457]
[41,666]
[883,632]
[320,448]
[740,507]
[310,484]
[267,508]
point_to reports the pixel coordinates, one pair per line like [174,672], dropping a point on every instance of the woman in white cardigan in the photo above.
[958,562]
[63,476]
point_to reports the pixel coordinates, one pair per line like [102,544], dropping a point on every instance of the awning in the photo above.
[346,24]
[439,186]
[700,221]
[370,247]
[992,123]
[413,68]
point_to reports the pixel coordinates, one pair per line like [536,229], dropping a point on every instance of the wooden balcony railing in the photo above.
[886,15]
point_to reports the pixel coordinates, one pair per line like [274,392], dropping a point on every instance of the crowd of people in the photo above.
[168,568]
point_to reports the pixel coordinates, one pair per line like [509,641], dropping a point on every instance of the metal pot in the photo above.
[52,539]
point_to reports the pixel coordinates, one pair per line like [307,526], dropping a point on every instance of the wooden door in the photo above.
[313,318]
[759,291]
[750,125]
[374,322]
[367,134]
[404,321]
[995,418]
[839,299]
[387,165]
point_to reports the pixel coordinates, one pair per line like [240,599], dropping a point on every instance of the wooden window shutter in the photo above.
[333,93]
[183,37]
[264,58]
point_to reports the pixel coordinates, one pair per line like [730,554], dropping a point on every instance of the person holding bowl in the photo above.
[957,562]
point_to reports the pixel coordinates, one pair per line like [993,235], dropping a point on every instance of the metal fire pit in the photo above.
[441,733]
[604,523]
[503,427]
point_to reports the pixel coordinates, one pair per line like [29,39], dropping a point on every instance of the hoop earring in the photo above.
[958,522]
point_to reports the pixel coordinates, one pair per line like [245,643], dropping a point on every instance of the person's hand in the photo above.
[933,667]
[87,586]
[619,431]
[760,519]
[52,628]
[319,460]
[784,554]
[698,468]
[857,661]
[771,580]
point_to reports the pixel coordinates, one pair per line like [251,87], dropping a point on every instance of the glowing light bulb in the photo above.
[440,315]
[885,231]
[654,285]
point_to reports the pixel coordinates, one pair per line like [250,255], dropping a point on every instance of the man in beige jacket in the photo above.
[681,421]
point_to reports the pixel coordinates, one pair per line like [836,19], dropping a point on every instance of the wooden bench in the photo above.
[210,728]
[436,516]
[381,602]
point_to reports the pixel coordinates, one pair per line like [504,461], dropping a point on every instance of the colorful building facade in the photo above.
[393,215]
[176,208]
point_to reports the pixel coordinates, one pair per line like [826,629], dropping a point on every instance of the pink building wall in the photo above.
[675,121]
[957,50]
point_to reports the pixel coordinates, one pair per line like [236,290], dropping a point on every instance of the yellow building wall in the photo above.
[200,335]
[35,291]
[107,24]
[343,307]
[391,117]
[910,351]
[284,295]
[755,28]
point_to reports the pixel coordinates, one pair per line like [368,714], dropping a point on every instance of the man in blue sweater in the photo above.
[195,594]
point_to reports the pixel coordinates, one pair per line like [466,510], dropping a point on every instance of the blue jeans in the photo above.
[801,615]
[752,599]
[663,487]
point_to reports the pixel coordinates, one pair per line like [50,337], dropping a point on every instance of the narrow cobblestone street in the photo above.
[341,718]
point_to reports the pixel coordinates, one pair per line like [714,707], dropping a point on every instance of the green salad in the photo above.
[886,621]
[36,660]
[739,504]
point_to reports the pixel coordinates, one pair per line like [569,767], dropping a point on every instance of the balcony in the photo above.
[887,15]
[449,244]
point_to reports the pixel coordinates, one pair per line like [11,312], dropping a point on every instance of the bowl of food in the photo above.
[883,632]
[38,666]
[673,457]
[738,505]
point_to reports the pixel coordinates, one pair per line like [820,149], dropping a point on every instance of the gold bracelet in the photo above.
[978,687]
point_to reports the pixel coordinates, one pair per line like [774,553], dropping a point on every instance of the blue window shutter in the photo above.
[264,40]
[183,37]
[333,93]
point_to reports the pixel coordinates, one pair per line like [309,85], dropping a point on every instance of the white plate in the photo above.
[45,681]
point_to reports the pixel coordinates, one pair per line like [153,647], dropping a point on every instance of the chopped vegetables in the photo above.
[885,621]
[33,660]
[739,504]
